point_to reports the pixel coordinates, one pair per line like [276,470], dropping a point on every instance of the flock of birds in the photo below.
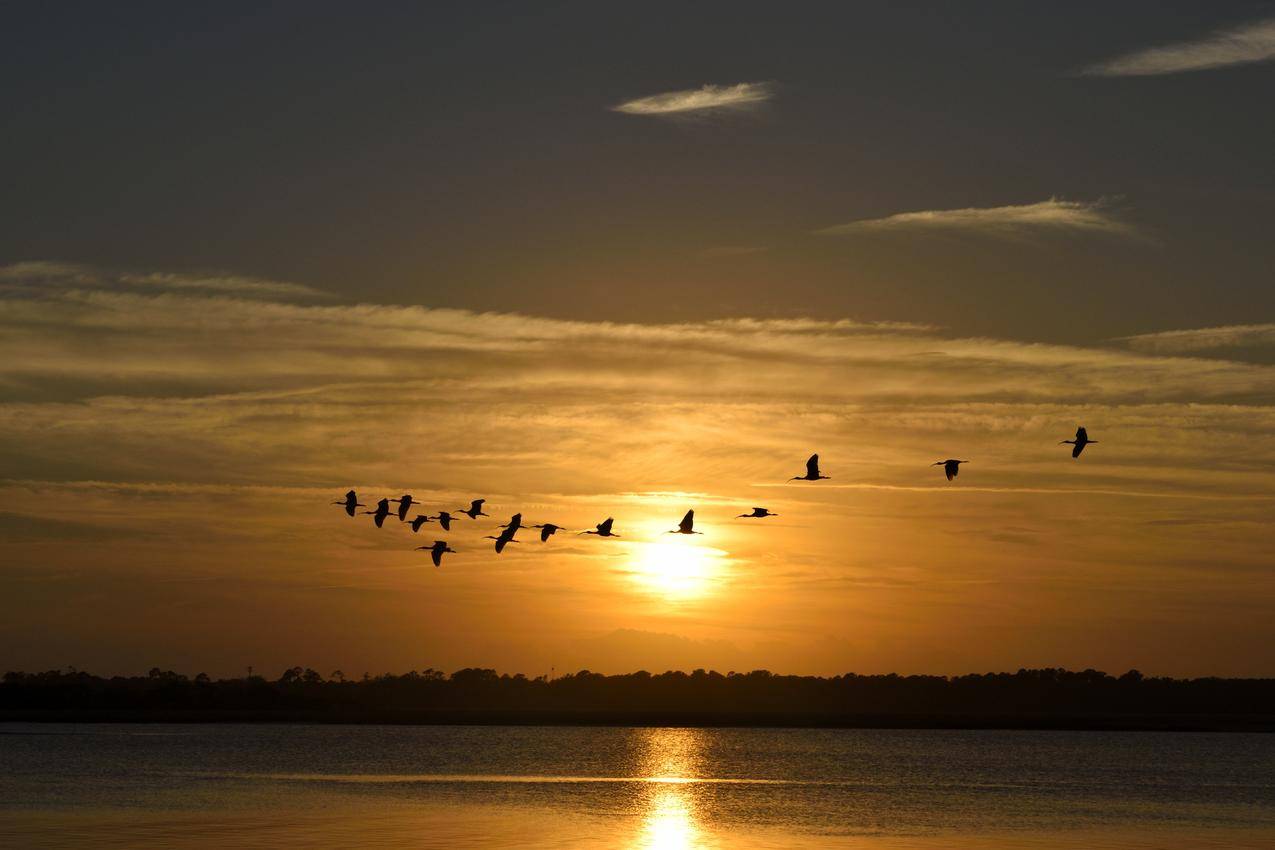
[951,467]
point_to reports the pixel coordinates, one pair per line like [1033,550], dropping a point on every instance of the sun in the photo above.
[678,569]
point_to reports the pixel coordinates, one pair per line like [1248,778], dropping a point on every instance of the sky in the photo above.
[590,260]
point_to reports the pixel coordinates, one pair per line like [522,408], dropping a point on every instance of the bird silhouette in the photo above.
[603,529]
[420,520]
[437,550]
[1082,440]
[475,509]
[445,520]
[504,537]
[812,471]
[687,525]
[758,513]
[547,530]
[404,504]
[951,467]
[507,535]
[381,512]
[351,501]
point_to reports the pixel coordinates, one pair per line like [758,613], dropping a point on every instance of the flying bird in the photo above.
[687,525]
[404,504]
[351,501]
[812,471]
[437,550]
[505,536]
[475,509]
[1082,440]
[603,530]
[420,520]
[381,512]
[445,520]
[758,513]
[547,530]
[951,467]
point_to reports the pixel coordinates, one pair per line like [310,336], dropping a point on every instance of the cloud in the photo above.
[192,387]
[1204,339]
[708,97]
[71,344]
[1242,45]
[32,278]
[1051,216]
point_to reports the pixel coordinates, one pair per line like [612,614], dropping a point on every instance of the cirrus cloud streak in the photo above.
[1014,221]
[1204,339]
[1241,45]
[704,98]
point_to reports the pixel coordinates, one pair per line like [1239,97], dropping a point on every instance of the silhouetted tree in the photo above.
[1027,693]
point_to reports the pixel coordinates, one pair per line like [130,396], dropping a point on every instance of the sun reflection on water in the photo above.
[671,818]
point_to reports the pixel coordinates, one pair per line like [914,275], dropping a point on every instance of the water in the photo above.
[283,786]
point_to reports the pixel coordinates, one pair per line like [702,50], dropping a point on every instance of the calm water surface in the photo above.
[284,786]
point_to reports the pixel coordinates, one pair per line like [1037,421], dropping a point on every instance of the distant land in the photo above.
[1028,699]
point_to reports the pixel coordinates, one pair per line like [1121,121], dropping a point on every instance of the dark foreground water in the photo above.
[292,786]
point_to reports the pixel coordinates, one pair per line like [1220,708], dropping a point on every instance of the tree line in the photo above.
[760,696]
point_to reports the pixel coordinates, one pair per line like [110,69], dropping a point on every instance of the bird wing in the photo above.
[687,523]
[1077,449]
[1081,434]
[605,526]
[812,466]
[545,531]
[476,505]
[437,555]
[515,522]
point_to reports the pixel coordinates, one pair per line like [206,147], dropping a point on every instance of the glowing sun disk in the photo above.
[677,569]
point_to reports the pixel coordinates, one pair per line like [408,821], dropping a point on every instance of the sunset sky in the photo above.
[590,261]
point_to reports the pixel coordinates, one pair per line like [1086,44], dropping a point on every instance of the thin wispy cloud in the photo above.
[1051,216]
[1204,339]
[1241,45]
[704,98]
[112,343]
[48,277]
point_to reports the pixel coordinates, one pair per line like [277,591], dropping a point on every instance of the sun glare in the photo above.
[678,569]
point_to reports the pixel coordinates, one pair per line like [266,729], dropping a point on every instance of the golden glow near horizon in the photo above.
[172,481]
